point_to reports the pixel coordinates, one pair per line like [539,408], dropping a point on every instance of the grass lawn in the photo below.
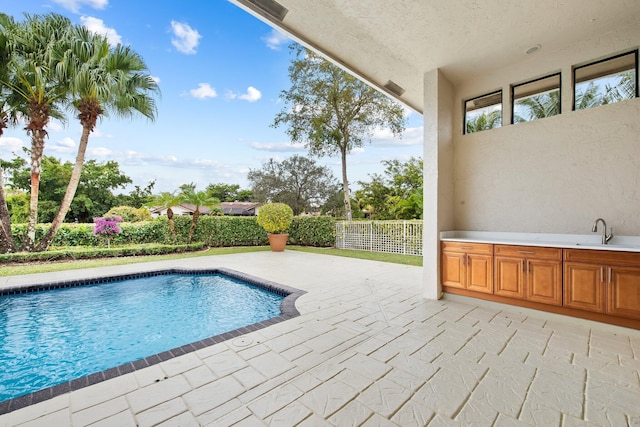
[46,267]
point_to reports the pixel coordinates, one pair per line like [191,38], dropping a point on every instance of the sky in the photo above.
[221,72]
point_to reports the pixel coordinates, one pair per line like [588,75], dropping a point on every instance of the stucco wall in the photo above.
[555,175]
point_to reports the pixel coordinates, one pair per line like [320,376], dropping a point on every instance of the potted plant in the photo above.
[276,218]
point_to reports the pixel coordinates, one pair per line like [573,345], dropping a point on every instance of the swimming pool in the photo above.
[62,336]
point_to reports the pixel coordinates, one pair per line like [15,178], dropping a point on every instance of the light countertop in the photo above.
[567,241]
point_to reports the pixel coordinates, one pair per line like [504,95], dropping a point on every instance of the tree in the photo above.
[397,194]
[102,80]
[36,89]
[484,121]
[7,243]
[197,199]
[95,191]
[297,181]
[138,197]
[537,107]
[332,112]
[168,200]
[229,192]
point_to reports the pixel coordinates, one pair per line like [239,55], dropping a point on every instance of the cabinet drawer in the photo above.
[631,259]
[475,248]
[529,252]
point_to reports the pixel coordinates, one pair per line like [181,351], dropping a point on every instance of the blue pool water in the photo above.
[51,337]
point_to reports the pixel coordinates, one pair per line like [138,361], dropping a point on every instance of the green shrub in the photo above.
[275,217]
[88,253]
[130,214]
[319,231]
[213,231]
[230,231]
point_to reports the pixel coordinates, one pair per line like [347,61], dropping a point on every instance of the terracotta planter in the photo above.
[277,241]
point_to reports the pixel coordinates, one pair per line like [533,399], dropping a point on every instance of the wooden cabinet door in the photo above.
[623,297]
[584,286]
[453,269]
[479,276]
[544,281]
[509,277]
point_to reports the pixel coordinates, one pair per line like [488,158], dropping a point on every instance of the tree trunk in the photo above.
[172,225]
[6,238]
[345,185]
[37,149]
[74,180]
[194,220]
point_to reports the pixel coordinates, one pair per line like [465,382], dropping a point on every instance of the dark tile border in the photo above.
[287,311]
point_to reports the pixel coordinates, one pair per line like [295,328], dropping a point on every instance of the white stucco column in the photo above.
[438,175]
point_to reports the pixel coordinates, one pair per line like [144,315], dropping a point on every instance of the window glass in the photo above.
[536,99]
[605,82]
[483,112]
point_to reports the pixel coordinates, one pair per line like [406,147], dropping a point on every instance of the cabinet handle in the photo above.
[609,275]
[526,252]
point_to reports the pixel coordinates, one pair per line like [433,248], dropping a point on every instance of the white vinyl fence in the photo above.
[397,237]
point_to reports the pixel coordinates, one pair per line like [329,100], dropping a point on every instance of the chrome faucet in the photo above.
[605,237]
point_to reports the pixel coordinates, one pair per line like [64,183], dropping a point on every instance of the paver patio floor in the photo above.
[368,350]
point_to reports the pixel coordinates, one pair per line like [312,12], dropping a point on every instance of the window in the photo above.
[536,99]
[607,81]
[483,112]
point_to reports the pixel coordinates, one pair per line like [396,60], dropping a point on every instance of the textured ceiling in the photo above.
[382,40]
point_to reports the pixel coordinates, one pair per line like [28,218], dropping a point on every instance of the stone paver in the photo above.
[368,350]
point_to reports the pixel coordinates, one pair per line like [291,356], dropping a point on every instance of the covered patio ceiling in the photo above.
[384,41]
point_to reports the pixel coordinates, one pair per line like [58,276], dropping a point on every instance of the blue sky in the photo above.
[220,72]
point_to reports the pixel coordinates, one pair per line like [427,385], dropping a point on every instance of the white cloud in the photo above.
[100,152]
[252,95]
[75,5]
[65,145]
[54,126]
[203,91]
[10,143]
[155,79]
[97,26]
[97,133]
[186,38]
[278,147]
[275,39]
[385,138]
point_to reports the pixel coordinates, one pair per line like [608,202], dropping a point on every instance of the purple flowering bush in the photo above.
[107,226]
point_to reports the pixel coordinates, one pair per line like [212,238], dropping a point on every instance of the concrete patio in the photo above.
[368,350]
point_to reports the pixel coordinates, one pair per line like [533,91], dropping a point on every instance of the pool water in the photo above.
[55,336]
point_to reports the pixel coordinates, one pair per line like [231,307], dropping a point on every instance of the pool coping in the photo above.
[287,310]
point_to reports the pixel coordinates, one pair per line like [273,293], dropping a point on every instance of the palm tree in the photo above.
[36,90]
[197,199]
[168,200]
[102,79]
[484,121]
[7,243]
[539,106]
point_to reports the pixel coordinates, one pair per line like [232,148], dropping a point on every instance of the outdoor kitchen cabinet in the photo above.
[528,272]
[468,266]
[602,281]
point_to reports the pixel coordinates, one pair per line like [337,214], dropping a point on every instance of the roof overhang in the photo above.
[391,44]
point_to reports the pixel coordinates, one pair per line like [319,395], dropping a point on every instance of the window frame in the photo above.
[515,86]
[486,95]
[575,68]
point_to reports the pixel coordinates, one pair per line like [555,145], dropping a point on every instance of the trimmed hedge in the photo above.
[319,231]
[89,253]
[213,231]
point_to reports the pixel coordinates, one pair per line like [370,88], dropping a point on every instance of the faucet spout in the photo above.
[605,237]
